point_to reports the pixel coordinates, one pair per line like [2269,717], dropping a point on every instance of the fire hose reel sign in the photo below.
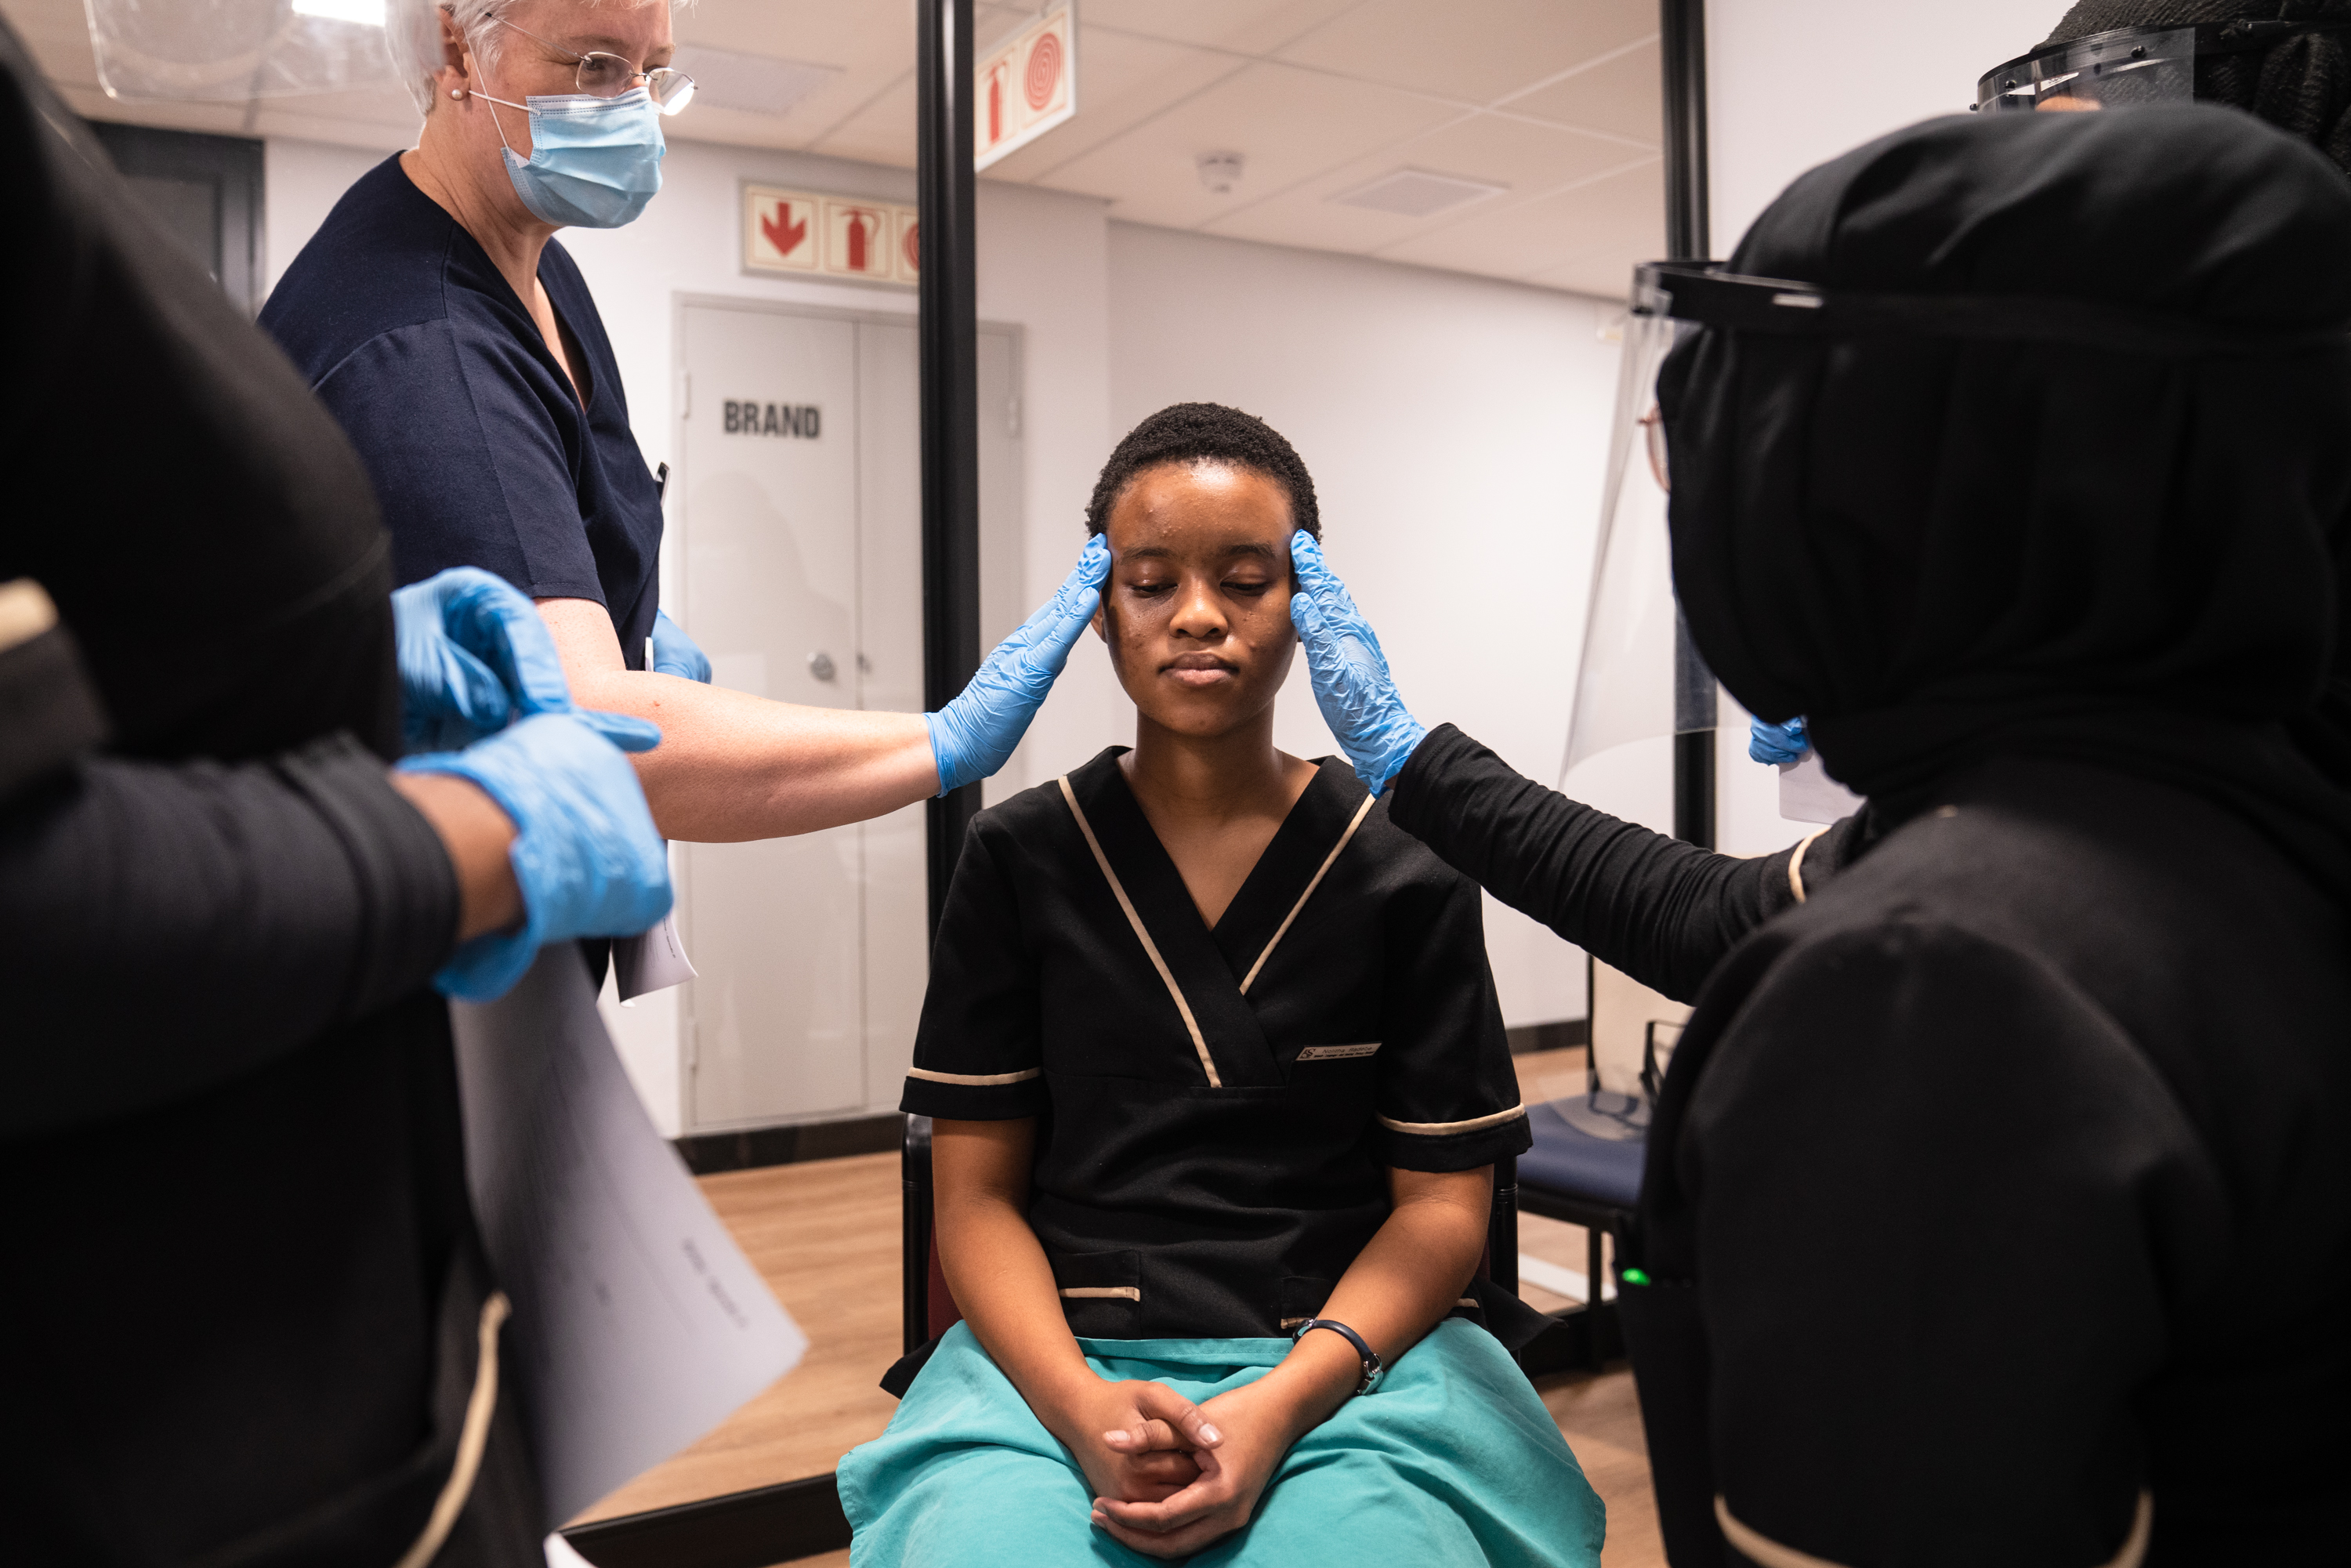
[1023,88]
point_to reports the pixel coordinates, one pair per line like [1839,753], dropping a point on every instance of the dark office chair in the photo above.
[929,1307]
[1585,1169]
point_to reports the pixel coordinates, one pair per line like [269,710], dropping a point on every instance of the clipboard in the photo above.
[638,1322]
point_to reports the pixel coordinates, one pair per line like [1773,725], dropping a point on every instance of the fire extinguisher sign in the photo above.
[1024,87]
[809,234]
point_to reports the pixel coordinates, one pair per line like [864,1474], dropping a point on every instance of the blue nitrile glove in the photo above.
[474,655]
[1777,742]
[586,854]
[1351,683]
[972,735]
[675,653]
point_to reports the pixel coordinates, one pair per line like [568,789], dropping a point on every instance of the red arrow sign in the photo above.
[781,232]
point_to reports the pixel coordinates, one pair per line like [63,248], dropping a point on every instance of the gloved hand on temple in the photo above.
[474,656]
[675,653]
[1777,743]
[1351,684]
[586,856]
[973,736]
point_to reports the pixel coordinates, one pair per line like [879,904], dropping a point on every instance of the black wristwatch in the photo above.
[1373,1370]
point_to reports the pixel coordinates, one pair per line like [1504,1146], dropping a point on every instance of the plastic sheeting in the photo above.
[232,51]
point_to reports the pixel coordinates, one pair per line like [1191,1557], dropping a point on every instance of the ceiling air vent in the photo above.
[1418,194]
[756,84]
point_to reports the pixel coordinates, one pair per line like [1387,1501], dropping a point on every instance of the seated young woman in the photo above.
[1218,1081]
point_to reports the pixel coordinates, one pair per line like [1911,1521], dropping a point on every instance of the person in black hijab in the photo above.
[1998,1203]
[1999,1200]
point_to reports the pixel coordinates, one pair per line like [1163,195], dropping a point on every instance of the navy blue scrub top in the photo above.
[480,451]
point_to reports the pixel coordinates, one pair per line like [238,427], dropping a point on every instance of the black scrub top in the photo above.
[1218,1107]
[480,451]
[242,1288]
[2006,1182]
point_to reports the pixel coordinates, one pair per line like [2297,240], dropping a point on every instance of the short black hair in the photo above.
[1206,433]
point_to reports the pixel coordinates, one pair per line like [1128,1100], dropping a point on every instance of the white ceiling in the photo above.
[1555,101]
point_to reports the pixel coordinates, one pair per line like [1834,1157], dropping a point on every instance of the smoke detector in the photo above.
[1220,172]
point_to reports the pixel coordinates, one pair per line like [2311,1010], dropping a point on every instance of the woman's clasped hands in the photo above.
[1170,1477]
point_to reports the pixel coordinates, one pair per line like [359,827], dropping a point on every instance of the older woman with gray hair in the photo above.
[458,344]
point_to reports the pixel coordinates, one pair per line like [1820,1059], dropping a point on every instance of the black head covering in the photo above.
[1943,551]
[2302,85]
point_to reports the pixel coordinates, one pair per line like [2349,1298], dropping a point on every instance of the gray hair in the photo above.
[411,30]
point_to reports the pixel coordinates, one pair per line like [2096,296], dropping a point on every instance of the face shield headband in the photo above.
[2128,66]
[1700,294]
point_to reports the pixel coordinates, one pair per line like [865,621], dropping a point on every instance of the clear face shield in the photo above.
[2128,67]
[1639,683]
[232,51]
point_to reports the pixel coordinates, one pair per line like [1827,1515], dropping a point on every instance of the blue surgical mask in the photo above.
[594,162]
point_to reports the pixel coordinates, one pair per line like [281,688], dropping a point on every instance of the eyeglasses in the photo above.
[599,75]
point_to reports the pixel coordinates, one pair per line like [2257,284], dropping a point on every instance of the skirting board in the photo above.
[741,1530]
[1560,1036]
[706,1153]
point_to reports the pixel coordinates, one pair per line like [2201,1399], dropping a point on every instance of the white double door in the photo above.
[801,524]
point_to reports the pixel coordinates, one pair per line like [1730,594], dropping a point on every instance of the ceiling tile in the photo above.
[734,127]
[1290,125]
[1527,159]
[871,46]
[1476,50]
[1625,96]
[1121,80]
[825,32]
[881,133]
[1613,221]
[1245,27]
[991,24]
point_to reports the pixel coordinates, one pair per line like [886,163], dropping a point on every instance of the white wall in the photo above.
[1782,99]
[1457,429]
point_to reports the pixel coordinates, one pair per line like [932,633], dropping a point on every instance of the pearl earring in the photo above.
[456,93]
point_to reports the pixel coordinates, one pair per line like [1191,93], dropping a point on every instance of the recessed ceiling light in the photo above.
[1418,194]
[756,84]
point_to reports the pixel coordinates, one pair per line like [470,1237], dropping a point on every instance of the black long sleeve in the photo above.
[165,927]
[1661,910]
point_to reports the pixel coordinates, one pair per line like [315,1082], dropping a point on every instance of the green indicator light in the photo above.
[1633,1276]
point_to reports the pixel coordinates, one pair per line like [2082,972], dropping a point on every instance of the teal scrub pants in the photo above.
[1452,1460]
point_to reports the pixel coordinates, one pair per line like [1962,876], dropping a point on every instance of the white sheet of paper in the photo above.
[652,962]
[1807,794]
[638,1322]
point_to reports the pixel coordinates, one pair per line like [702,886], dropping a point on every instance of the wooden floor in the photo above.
[825,1234]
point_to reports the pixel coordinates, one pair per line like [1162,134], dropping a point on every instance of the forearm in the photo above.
[1663,911]
[163,928]
[998,1269]
[733,767]
[1002,1281]
[478,837]
[1399,1286]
